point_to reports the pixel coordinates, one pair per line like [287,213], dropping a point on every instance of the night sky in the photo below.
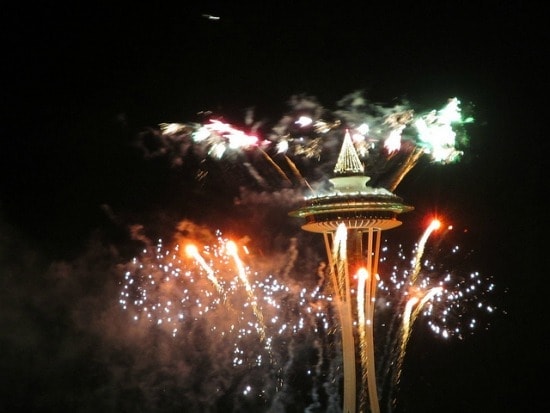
[86,183]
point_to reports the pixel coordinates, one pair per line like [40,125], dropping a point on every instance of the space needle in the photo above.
[351,216]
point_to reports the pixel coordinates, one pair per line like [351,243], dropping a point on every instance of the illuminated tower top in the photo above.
[349,169]
[348,162]
[351,201]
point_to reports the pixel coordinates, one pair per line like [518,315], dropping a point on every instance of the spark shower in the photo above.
[274,323]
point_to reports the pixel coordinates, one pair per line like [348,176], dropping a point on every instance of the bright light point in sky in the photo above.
[201,134]
[231,247]
[282,146]
[171,128]
[451,112]
[304,121]
[393,142]
[363,129]
[435,224]
[191,250]
[211,17]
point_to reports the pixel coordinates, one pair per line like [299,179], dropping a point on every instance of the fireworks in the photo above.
[456,293]
[437,284]
[174,288]
[257,315]
[301,147]
[257,306]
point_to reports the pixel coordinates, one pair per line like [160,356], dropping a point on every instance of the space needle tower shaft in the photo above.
[351,217]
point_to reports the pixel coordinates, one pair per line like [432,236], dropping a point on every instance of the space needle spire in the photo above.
[351,217]
[348,162]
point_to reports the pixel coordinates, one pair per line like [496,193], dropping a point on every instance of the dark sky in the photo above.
[84,90]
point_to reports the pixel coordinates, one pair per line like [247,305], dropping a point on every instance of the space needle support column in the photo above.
[348,354]
[336,254]
[370,295]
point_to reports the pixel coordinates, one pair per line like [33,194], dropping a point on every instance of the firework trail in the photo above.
[193,251]
[435,224]
[412,305]
[232,251]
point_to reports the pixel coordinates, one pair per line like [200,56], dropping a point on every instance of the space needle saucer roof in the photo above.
[351,201]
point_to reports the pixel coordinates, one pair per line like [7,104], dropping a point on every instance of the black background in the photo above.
[80,83]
